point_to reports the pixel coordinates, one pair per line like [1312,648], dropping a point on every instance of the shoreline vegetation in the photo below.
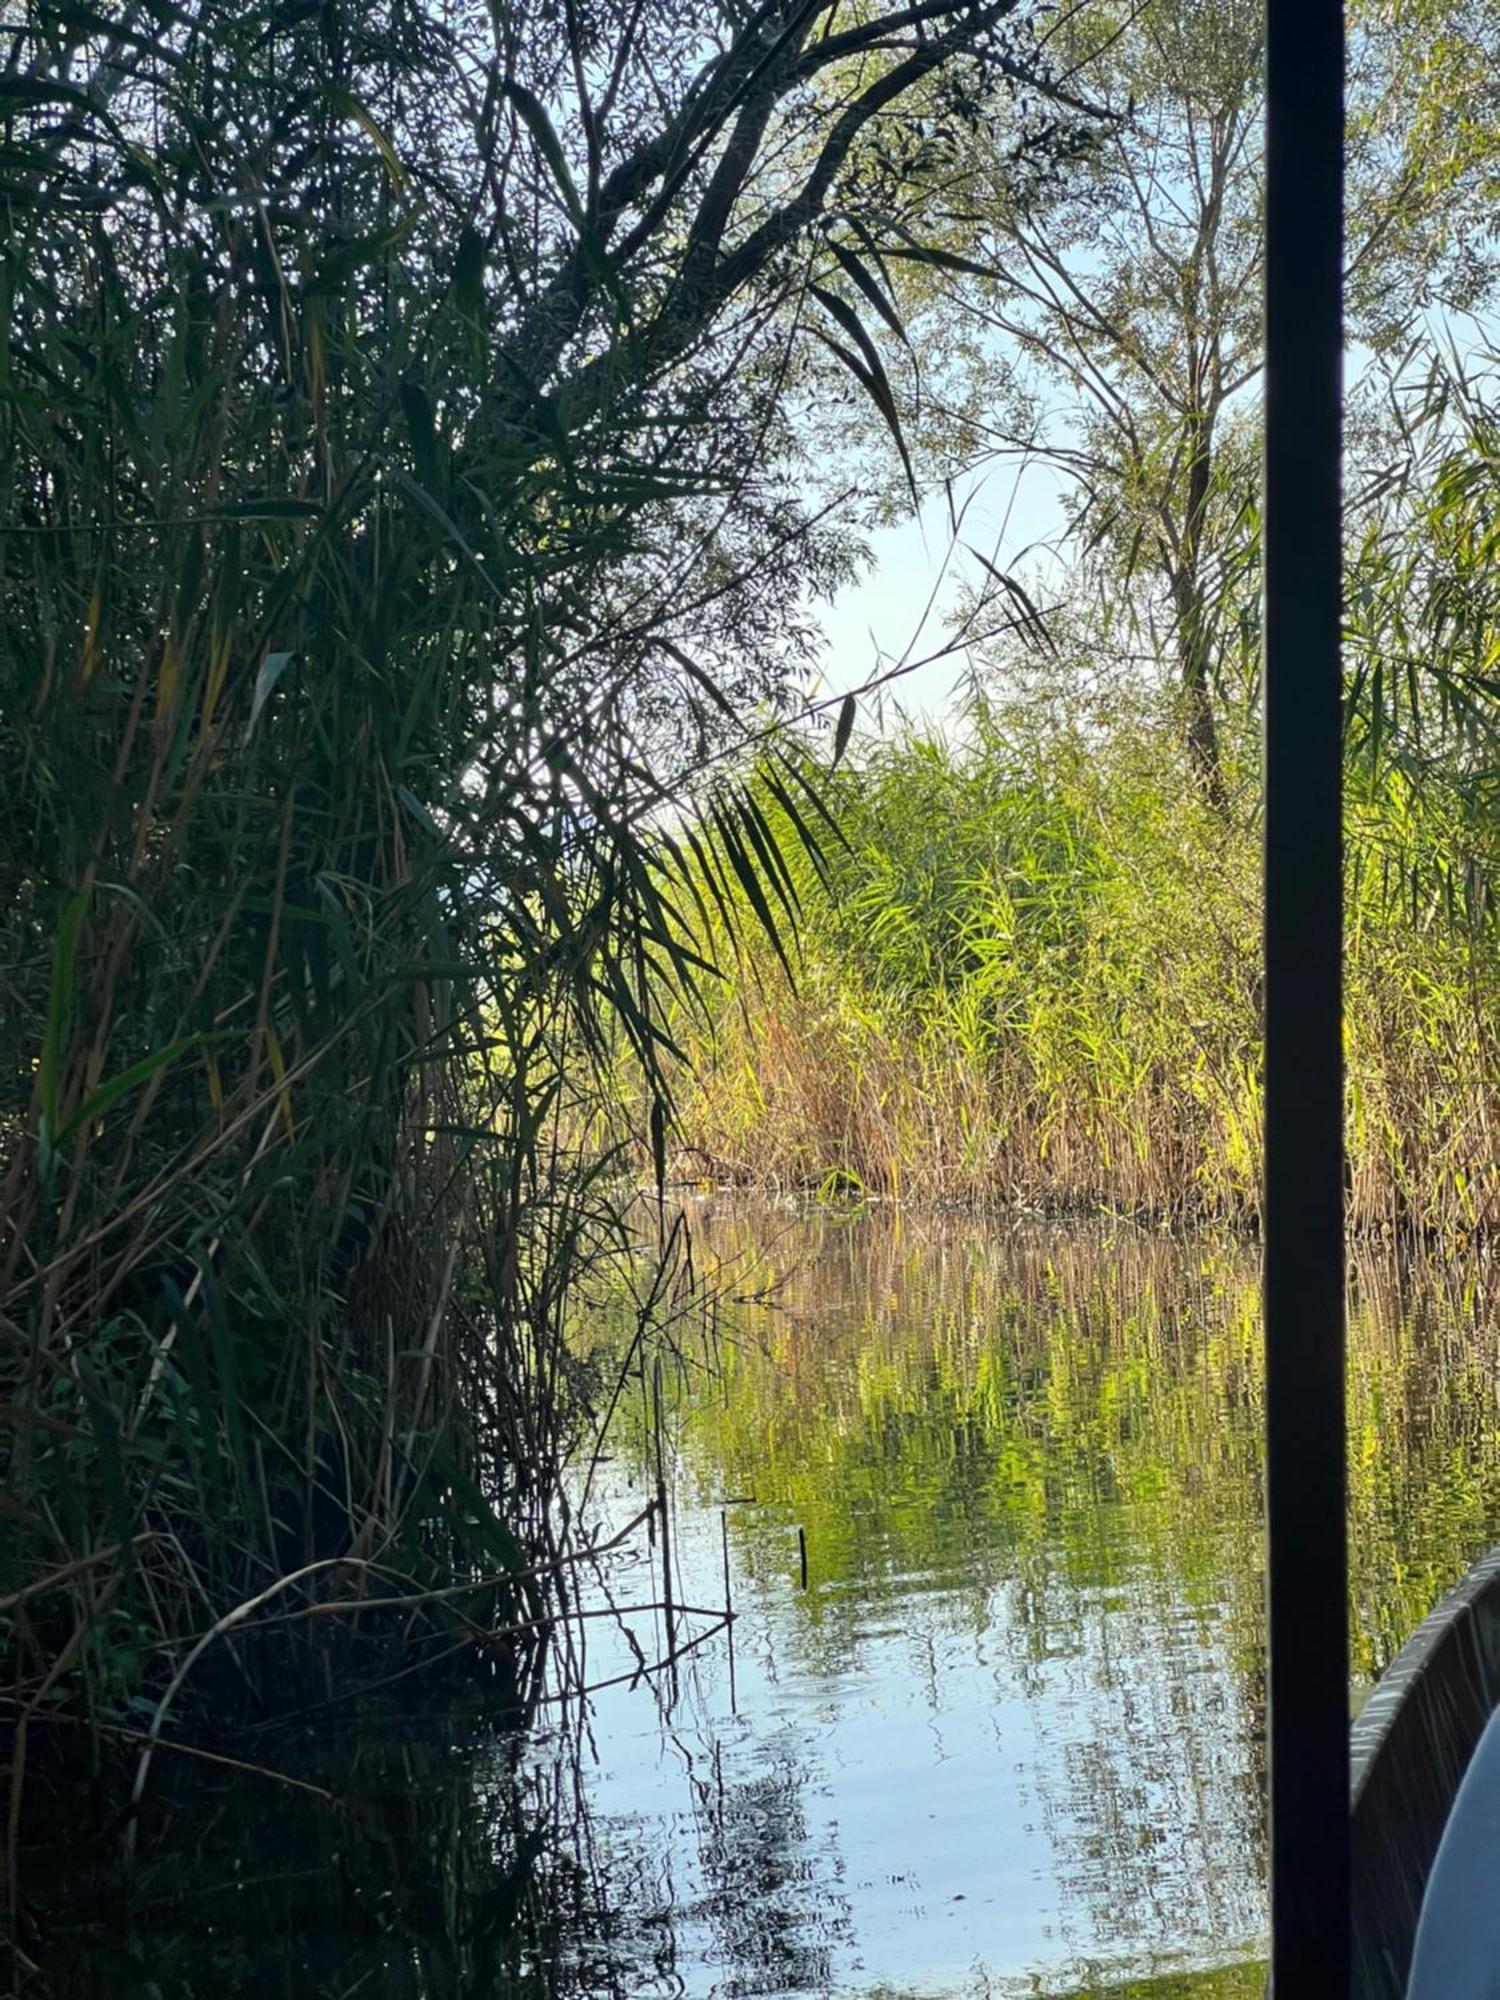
[399,518]
[1027,977]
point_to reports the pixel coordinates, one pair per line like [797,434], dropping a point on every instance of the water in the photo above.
[1006,1741]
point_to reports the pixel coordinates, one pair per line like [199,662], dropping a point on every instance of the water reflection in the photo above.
[1007,1740]
[441,1875]
[1014,1725]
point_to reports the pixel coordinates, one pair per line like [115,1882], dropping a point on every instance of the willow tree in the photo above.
[1106,322]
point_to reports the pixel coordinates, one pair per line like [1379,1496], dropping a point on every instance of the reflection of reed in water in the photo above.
[768,1905]
[1054,1436]
[450,1868]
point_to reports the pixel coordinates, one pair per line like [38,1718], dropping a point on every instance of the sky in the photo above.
[905,604]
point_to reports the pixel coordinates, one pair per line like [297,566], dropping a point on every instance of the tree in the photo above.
[392,450]
[1114,312]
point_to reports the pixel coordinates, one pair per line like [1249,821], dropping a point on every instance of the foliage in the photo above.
[991,999]
[1034,977]
[393,449]
[1104,323]
[1034,973]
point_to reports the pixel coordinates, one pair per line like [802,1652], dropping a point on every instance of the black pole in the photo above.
[1304,1177]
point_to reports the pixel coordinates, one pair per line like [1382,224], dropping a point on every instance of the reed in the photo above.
[1030,977]
[364,519]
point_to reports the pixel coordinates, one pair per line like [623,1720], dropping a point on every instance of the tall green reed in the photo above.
[1033,978]
[379,511]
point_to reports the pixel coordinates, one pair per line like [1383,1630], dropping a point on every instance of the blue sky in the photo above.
[879,620]
[1013,513]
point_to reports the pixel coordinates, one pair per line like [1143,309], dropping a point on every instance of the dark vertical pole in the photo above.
[1304,1195]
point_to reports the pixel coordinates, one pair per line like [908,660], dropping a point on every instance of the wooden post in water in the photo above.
[1304,1171]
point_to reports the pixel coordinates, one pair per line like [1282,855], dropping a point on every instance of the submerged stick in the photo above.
[664,1516]
[728,1607]
[642,1673]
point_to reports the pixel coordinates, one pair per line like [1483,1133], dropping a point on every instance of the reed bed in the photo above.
[345,486]
[1030,977]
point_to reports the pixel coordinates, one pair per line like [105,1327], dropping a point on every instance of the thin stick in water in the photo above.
[728,1606]
[663,1515]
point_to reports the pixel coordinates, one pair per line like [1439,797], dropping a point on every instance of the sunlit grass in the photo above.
[1033,979]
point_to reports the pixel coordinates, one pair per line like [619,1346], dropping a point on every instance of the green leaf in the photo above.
[421,428]
[449,526]
[132,901]
[773,862]
[659,1146]
[265,507]
[344,259]
[915,252]
[1028,617]
[349,106]
[871,377]
[812,847]
[95,1105]
[532,114]
[468,274]
[859,274]
[272,667]
[59,1013]
[749,880]
[849,320]
[470,1513]
[418,811]
[698,674]
[338,924]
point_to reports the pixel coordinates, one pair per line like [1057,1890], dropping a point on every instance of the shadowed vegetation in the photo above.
[394,447]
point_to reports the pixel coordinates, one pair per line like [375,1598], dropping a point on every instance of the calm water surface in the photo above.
[1007,1739]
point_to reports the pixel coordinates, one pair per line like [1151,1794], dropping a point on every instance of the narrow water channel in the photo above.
[1002,1737]
[1006,1737]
